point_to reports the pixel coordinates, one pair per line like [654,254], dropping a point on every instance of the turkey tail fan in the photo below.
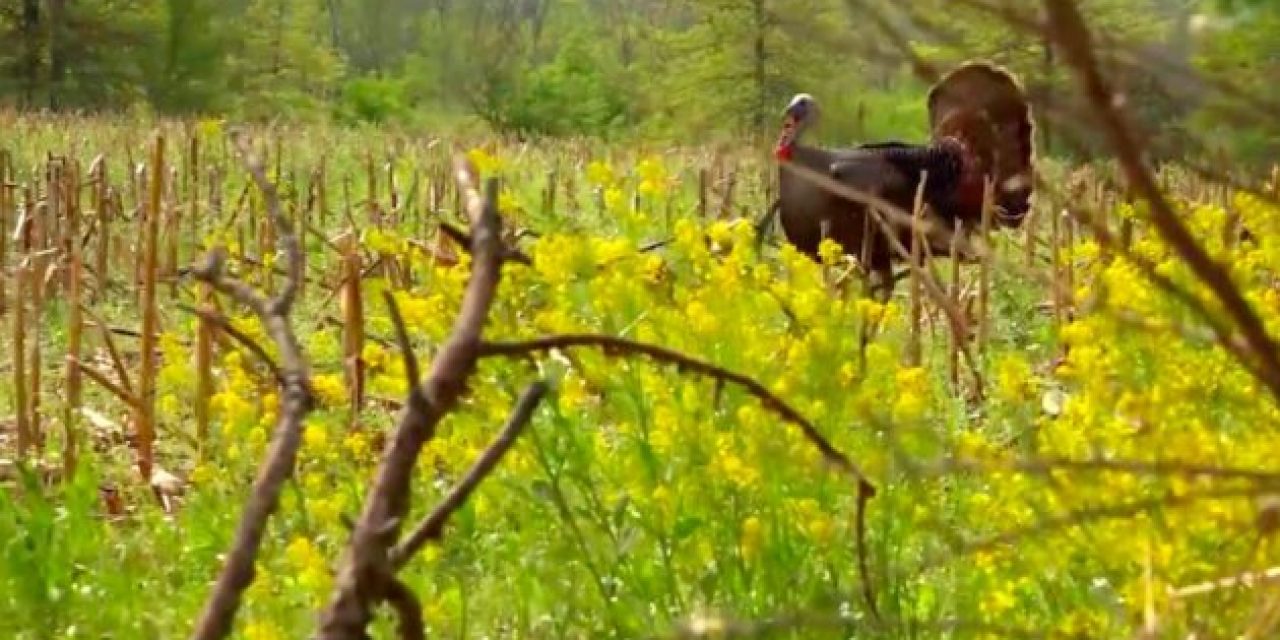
[985,108]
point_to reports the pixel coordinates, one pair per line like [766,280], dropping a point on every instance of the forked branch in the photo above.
[237,572]
[366,577]
[224,325]
[432,527]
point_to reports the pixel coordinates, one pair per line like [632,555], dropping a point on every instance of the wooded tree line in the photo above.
[669,69]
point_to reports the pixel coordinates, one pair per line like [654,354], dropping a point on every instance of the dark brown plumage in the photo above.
[981,126]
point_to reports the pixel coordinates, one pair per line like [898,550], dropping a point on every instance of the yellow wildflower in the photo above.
[314,438]
[600,174]
[507,203]
[169,405]
[357,444]
[262,630]
[1013,376]
[751,538]
[653,176]
[614,199]
[829,251]
[483,161]
[201,474]
[654,268]
[997,601]
[330,389]
[730,466]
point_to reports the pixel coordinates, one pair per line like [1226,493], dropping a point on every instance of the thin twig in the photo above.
[459,236]
[432,527]
[1087,515]
[617,346]
[124,395]
[412,373]
[117,362]
[221,321]
[1043,466]
[1246,579]
[213,271]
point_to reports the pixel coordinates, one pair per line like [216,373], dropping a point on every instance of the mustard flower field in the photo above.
[1101,463]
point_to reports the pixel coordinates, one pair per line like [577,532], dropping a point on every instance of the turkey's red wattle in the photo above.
[782,152]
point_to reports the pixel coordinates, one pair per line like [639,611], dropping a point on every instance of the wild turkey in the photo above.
[981,126]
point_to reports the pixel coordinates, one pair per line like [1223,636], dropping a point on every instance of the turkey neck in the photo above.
[811,157]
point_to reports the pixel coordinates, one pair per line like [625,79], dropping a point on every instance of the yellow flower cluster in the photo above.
[653,177]
[485,162]
[913,389]
[309,565]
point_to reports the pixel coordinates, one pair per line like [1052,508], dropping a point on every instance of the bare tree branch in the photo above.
[365,572]
[213,271]
[237,573]
[117,362]
[459,236]
[124,395]
[252,345]
[1043,466]
[412,373]
[1072,35]
[408,608]
[1088,515]
[616,346]
[432,527]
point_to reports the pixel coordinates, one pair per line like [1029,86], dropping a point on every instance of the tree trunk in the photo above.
[335,28]
[538,10]
[1046,138]
[758,120]
[57,57]
[277,59]
[31,51]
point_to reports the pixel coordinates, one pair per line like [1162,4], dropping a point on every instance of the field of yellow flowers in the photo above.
[1120,462]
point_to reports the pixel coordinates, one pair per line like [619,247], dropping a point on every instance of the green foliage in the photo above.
[571,94]
[373,99]
[731,66]
[67,55]
[65,570]
[1245,54]
[279,69]
[187,69]
[1243,5]
[697,70]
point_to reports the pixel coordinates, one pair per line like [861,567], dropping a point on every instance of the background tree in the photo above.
[662,69]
